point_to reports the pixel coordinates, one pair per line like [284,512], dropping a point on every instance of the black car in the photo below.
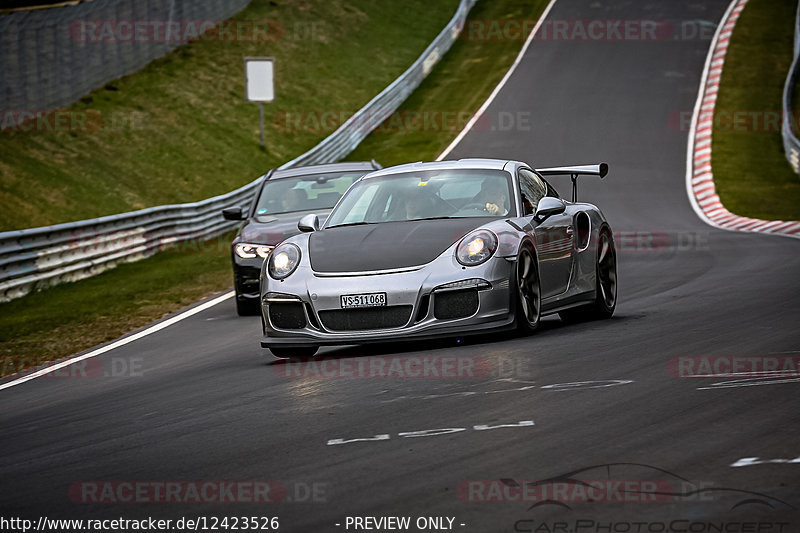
[284,197]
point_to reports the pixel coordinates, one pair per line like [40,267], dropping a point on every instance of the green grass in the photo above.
[751,173]
[180,129]
[65,319]
[80,315]
[460,83]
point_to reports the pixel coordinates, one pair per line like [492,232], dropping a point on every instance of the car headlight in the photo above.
[249,251]
[283,261]
[476,248]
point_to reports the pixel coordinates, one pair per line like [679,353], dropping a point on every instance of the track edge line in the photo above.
[119,342]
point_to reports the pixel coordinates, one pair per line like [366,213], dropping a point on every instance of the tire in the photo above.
[605,301]
[528,312]
[293,353]
[247,306]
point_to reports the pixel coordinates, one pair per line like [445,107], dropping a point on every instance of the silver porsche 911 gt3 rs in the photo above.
[429,250]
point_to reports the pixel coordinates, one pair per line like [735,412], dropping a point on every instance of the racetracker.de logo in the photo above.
[734,366]
[175,31]
[203,492]
[395,367]
[401,121]
[736,120]
[38,121]
[594,491]
[93,368]
[588,30]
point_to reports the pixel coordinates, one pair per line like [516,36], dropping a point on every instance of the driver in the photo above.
[493,197]
[420,204]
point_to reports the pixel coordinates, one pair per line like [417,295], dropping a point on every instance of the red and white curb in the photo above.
[699,175]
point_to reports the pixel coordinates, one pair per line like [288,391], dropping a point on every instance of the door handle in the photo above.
[570,231]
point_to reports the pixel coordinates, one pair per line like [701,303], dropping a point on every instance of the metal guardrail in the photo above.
[41,257]
[791,144]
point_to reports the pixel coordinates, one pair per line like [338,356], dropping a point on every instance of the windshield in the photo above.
[305,193]
[453,193]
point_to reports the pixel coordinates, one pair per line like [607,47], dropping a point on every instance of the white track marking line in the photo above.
[121,342]
[499,86]
[701,191]
[748,383]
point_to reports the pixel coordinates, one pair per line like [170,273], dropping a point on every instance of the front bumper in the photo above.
[417,294]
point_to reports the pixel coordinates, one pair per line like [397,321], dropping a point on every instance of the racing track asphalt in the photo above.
[206,403]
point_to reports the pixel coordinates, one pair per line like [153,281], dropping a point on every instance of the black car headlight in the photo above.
[476,248]
[283,261]
[249,251]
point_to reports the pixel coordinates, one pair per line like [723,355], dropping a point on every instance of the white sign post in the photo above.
[259,73]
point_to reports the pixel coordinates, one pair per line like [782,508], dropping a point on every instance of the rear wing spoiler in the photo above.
[575,171]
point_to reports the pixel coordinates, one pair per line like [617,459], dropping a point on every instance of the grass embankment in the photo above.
[751,173]
[180,129]
[65,319]
[168,281]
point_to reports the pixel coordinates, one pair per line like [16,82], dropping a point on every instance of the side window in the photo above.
[532,189]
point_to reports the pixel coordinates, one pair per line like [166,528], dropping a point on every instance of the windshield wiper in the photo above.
[351,224]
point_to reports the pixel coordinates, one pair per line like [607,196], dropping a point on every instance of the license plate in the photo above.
[375,299]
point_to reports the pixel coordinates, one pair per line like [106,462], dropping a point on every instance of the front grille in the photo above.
[393,316]
[448,305]
[287,315]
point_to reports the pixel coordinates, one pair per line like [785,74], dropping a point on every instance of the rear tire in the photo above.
[605,301]
[294,353]
[528,292]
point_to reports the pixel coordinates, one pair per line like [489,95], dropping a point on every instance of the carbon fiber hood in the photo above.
[387,245]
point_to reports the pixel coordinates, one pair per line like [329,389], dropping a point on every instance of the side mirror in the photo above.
[233,213]
[549,206]
[308,223]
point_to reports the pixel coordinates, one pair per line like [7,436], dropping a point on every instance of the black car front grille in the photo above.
[287,315]
[246,278]
[448,305]
[393,316]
